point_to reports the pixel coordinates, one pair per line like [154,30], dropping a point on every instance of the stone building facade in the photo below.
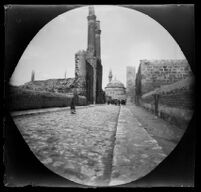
[130,83]
[115,89]
[88,67]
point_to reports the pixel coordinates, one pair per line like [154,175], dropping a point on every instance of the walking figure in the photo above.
[72,106]
[73,102]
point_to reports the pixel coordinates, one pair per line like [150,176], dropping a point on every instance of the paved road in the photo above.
[100,145]
[77,146]
[136,153]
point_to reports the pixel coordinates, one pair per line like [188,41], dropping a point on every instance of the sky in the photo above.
[127,36]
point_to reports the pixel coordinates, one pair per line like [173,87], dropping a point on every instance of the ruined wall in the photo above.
[130,82]
[155,73]
[99,92]
[80,72]
[80,64]
[89,82]
[99,75]
[51,85]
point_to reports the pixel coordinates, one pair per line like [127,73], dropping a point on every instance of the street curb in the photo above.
[127,136]
[46,110]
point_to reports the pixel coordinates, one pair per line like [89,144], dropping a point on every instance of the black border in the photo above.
[23,165]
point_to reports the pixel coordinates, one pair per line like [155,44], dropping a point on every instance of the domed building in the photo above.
[115,90]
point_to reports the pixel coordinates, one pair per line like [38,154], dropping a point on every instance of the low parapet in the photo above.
[185,84]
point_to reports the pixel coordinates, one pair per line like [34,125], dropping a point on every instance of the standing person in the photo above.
[73,102]
[72,105]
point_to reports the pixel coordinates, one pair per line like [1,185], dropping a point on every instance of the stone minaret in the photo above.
[32,76]
[110,76]
[91,31]
[97,42]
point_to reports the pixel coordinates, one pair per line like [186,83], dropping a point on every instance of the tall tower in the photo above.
[110,76]
[91,31]
[97,42]
[93,58]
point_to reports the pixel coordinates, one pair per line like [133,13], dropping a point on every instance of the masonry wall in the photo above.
[20,99]
[89,82]
[175,102]
[155,73]
[130,82]
[99,93]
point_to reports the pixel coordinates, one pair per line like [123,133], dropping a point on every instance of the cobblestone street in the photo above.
[77,146]
[99,145]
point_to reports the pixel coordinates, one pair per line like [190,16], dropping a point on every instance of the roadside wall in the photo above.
[174,102]
[154,73]
[27,99]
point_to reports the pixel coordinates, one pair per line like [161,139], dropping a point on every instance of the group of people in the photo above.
[116,102]
[110,101]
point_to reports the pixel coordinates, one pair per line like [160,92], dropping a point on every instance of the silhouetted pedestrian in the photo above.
[72,105]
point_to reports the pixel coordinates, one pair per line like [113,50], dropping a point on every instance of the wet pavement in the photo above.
[100,145]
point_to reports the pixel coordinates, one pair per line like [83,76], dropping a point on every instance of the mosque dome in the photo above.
[115,84]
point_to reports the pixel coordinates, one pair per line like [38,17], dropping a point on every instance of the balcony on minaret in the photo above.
[91,11]
[110,76]
[91,15]
[98,31]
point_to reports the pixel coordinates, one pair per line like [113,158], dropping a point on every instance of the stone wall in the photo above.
[89,82]
[155,73]
[80,64]
[130,83]
[182,99]
[23,99]
[174,103]
[51,85]
[100,98]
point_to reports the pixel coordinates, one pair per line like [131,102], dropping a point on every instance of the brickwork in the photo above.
[182,99]
[165,87]
[154,73]
[179,94]
[175,101]
[89,82]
